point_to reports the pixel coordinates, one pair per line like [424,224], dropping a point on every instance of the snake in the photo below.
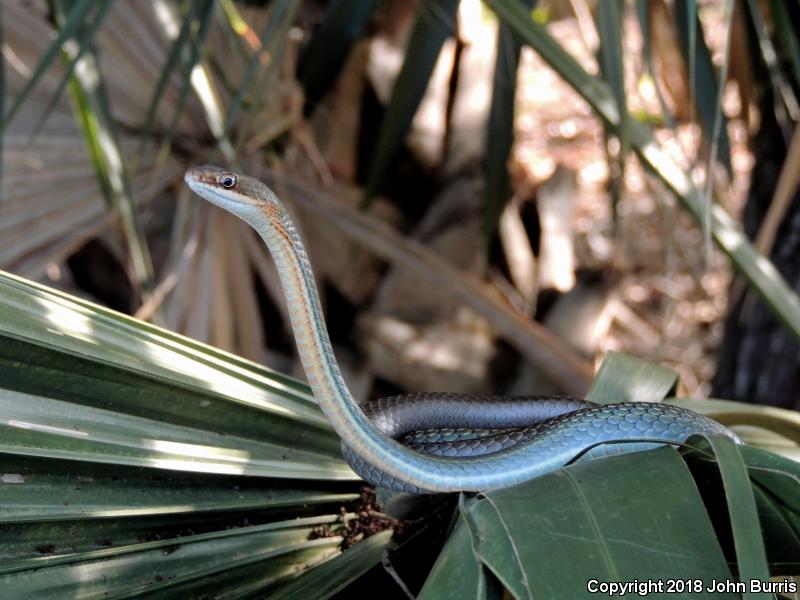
[437,442]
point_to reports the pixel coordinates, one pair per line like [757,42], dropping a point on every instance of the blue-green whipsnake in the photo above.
[545,433]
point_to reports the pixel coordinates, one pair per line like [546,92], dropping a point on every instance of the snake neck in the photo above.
[314,347]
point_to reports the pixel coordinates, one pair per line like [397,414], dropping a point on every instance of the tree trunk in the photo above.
[759,360]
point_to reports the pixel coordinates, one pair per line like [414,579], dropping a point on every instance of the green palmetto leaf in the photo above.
[457,573]
[774,67]
[610,17]
[762,497]
[65,493]
[324,55]
[590,516]
[624,378]
[98,129]
[328,579]
[687,22]
[435,23]
[35,427]
[187,33]
[204,16]
[170,564]
[120,416]
[759,272]
[177,49]
[768,427]
[751,555]
[166,465]
[224,415]
[258,579]
[716,129]
[501,126]
[92,109]
[702,79]
[786,36]
[777,493]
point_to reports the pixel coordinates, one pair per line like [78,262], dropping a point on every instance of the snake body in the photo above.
[466,451]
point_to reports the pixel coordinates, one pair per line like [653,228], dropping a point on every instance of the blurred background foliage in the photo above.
[494,196]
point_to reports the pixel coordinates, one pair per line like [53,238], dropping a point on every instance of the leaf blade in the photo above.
[435,22]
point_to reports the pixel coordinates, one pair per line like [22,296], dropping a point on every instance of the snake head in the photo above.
[242,195]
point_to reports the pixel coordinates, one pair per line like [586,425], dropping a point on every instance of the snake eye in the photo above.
[227,181]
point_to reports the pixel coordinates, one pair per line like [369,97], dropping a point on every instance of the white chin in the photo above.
[214,196]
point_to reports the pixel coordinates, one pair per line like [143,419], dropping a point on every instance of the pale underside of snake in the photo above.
[453,442]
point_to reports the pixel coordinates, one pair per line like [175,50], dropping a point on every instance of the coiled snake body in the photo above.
[477,442]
